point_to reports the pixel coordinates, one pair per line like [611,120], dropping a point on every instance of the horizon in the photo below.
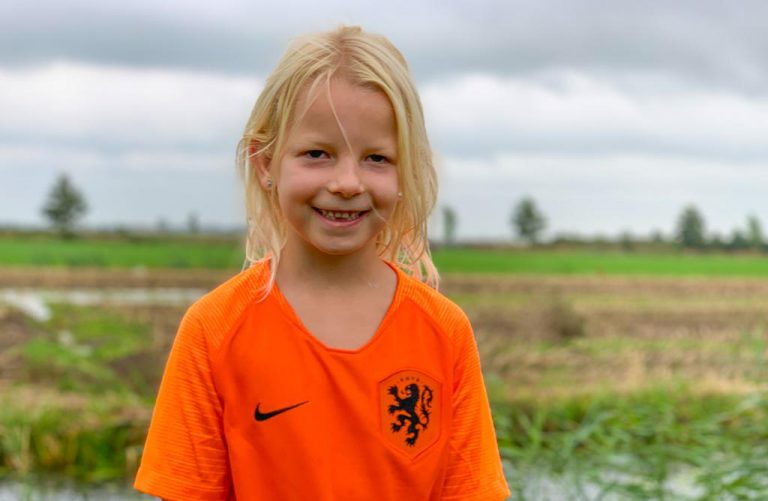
[612,123]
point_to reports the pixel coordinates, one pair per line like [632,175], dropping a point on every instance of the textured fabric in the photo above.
[252,406]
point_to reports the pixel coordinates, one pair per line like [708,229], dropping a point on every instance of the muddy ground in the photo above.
[539,337]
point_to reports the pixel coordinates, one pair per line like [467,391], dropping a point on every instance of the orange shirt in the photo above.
[252,406]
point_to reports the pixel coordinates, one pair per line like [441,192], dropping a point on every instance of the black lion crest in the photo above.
[413,409]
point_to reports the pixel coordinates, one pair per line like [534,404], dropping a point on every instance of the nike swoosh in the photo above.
[263,416]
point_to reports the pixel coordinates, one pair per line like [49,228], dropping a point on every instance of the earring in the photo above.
[399,194]
[269,184]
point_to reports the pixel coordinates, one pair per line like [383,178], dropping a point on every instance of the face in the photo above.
[337,181]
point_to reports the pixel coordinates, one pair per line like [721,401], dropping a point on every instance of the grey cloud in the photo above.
[575,144]
[710,41]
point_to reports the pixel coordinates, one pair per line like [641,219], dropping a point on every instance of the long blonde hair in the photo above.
[368,60]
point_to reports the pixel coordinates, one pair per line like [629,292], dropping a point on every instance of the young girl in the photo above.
[330,369]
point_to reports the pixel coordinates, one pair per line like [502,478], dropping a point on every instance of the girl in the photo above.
[329,369]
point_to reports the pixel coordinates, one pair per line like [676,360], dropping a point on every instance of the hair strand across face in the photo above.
[368,60]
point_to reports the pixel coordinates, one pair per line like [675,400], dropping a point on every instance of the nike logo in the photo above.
[263,416]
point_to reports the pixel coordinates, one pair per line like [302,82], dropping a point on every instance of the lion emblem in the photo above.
[412,409]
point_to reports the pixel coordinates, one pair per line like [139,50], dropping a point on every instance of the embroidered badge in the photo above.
[410,404]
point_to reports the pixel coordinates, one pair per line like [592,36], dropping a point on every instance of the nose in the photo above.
[346,181]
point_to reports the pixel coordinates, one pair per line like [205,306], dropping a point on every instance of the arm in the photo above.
[185,456]
[474,465]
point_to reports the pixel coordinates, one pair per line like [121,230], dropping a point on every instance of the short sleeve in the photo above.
[185,455]
[474,469]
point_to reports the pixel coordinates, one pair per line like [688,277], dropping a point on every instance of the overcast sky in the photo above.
[613,115]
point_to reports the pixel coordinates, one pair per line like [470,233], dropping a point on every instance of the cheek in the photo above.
[293,184]
[383,184]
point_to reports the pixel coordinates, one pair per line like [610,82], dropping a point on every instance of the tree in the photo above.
[528,221]
[627,241]
[193,223]
[449,226]
[755,231]
[65,206]
[690,228]
[739,241]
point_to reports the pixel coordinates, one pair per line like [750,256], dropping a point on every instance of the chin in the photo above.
[341,251]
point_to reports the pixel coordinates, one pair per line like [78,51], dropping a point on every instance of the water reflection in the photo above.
[34,302]
[36,491]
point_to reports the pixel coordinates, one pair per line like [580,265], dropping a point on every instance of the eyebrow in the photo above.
[313,139]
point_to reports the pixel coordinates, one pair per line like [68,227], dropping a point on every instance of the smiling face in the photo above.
[337,181]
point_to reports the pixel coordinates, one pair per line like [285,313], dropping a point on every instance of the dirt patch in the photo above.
[619,332]
[652,286]
[56,278]
[637,332]
[15,327]
[15,330]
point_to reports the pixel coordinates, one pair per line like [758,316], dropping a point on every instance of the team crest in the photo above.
[410,404]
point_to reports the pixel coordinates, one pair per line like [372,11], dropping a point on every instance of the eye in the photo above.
[315,154]
[379,159]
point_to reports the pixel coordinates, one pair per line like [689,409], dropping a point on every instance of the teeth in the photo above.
[349,216]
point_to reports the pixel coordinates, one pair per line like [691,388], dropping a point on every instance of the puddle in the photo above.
[34,302]
[18,491]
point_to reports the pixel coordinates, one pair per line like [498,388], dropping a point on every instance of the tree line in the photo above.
[528,224]
[65,206]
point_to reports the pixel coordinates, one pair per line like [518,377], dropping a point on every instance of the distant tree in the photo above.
[627,241]
[193,223]
[162,227]
[691,228]
[449,225]
[717,242]
[64,206]
[528,221]
[739,241]
[755,232]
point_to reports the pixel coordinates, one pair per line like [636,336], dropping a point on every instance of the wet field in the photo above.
[617,373]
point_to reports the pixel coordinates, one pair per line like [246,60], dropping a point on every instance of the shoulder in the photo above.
[221,309]
[446,314]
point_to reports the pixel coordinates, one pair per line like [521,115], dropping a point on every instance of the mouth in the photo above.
[343,216]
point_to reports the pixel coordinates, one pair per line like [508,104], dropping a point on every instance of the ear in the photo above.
[260,164]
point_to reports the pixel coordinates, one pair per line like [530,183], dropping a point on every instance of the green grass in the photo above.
[599,263]
[80,402]
[95,441]
[227,253]
[635,447]
[151,253]
[90,351]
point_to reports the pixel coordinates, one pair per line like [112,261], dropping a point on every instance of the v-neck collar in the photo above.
[288,310]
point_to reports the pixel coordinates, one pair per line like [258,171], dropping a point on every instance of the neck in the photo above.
[319,270]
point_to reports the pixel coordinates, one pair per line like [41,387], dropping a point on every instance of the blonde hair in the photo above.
[368,60]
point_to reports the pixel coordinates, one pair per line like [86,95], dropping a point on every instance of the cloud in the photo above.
[119,108]
[145,143]
[168,118]
[572,113]
[708,42]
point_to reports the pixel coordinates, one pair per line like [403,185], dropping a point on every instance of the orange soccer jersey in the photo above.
[252,406]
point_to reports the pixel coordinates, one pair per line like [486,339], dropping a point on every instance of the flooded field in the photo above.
[580,369]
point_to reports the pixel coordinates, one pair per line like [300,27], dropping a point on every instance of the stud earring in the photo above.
[399,194]
[269,184]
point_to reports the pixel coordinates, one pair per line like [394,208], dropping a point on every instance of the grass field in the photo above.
[228,254]
[612,376]
[150,253]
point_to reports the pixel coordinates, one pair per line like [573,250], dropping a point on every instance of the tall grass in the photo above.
[659,444]
[93,441]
